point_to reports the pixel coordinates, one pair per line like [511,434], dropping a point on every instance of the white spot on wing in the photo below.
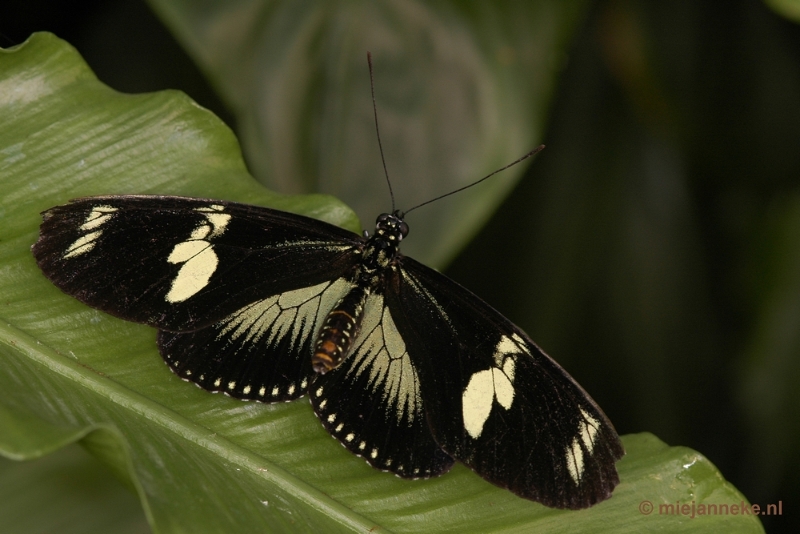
[588,430]
[503,387]
[199,263]
[83,244]
[96,218]
[575,460]
[488,385]
[586,439]
[197,255]
[476,402]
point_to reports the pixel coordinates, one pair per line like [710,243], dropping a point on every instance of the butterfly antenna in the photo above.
[526,156]
[378,130]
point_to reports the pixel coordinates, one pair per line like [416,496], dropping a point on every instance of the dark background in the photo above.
[653,248]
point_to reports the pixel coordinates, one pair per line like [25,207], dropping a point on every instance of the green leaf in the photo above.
[201,462]
[462,89]
[788,8]
[68,492]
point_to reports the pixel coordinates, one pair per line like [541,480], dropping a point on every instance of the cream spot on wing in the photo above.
[350,437]
[588,431]
[201,232]
[197,255]
[199,263]
[574,455]
[503,388]
[98,217]
[332,418]
[488,385]
[246,390]
[506,346]
[262,391]
[476,402]
[218,220]
[83,244]
[587,436]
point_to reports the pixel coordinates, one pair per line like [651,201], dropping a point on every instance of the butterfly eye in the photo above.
[403,228]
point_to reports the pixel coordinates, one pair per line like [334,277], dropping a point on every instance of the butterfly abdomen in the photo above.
[336,336]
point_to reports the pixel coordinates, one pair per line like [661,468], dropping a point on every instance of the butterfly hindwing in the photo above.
[181,263]
[259,352]
[372,402]
[496,402]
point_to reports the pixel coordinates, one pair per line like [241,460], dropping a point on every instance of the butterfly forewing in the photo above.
[181,264]
[496,402]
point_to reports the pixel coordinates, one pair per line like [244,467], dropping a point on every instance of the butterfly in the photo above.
[403,366]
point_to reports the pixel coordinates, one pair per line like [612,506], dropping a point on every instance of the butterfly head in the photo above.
[391,226]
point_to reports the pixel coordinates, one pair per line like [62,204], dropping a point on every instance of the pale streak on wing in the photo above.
[298,313]
[85,243]
[380,351]
[587,435]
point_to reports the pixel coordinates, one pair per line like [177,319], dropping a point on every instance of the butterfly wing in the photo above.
[372,402]
[181,264]
[496,402]
[239,291]
[260,352]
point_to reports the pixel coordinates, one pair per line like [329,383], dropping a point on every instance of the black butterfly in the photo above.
[403,366]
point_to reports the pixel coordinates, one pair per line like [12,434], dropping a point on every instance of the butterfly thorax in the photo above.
[341,326]
[382,248]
